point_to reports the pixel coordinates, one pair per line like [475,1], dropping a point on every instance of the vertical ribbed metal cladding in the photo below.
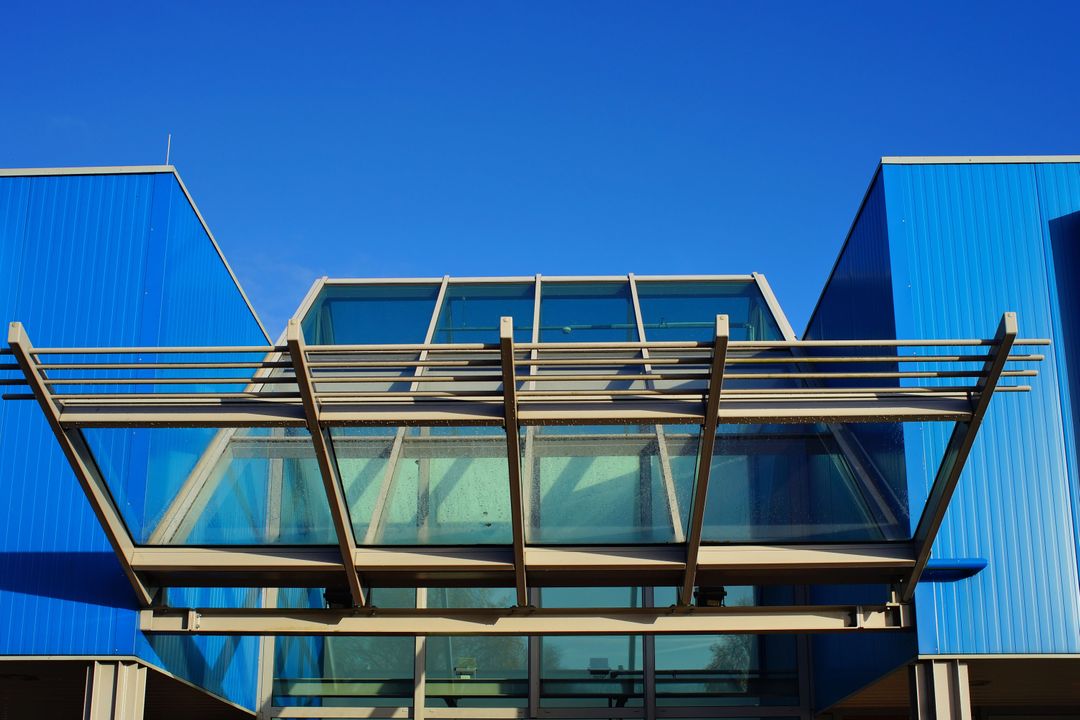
[1059,205]
[857,300]
[77,256]
[98,260]
[967,243]
[856,303]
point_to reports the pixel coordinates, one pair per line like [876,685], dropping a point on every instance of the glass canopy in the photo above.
[583,484]
[525,433]
[523,497]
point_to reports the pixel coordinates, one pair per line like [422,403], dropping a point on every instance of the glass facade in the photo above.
[344,671]
[583,484]
[598,484]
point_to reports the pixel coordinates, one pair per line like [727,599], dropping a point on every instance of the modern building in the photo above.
[484,497]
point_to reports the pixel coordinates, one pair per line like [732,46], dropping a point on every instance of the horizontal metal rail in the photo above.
[531,621]
[677,372]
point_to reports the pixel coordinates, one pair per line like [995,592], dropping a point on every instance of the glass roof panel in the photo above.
[608,484]
[586,312]
[687,310]
[205,486]
[470,312]
[807,483]
[367,313]
[425,486]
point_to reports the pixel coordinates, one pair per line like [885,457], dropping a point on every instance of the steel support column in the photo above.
[513,455]
[708,442]
[328,467]
[939,690]
[956,454]
[114,691]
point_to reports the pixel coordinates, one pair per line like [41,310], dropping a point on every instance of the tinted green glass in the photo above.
[688,310]
[608,484]
[363,314]
[591,670]
[792,483]
[205,486]
[470,313]
[344,671]
[425,486]
[726,670]
[476,671]
[586,312]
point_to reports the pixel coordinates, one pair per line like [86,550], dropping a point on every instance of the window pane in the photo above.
[696,670]
[608,483]
[586,312]
[343,671]
[361,314]
[792,483]
[470,313]
[425,486]
[206,486]
[476,671]
[591,670]
[688,310]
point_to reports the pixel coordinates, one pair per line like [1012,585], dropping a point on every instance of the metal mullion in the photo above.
[535,661]
[531,486]
[648,661]
[775,309]
[708,442]
[956,454]
[378,515]
[666,474]
[264,688]
[513,456]
[82,463]
[328,467]
[420,663]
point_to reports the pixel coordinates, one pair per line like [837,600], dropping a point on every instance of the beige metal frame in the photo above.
[674,382]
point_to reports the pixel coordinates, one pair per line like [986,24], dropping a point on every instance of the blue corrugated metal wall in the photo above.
[856,303]
[1059,206]
[969,242]
[98,260]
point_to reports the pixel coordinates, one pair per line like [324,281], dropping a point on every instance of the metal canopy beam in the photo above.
[81,460]
[513,455]
[546,566]
[531,621]
[733,410]
[328,467]
[956,453]
[708,441]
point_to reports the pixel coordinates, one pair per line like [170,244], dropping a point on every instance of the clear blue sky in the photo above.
[419,139]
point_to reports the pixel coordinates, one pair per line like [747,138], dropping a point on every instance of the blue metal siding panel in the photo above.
[967,245]
[856,303]
[99,260]
[1059,205]
[857,300]
[74,276]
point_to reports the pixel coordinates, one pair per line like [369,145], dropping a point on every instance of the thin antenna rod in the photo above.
[168,148]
